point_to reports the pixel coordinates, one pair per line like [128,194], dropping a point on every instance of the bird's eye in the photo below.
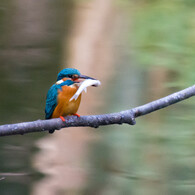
[70,76]
[75,76]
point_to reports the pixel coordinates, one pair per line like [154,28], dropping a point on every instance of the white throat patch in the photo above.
[59,82]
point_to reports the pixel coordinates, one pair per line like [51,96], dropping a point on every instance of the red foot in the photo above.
[62,118]
[78,115]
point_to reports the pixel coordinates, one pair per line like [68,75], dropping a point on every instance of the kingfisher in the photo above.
[58,102]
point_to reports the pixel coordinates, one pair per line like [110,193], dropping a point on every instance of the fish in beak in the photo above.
[81,78]
[86,82]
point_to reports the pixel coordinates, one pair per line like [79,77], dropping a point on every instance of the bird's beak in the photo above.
[85,77]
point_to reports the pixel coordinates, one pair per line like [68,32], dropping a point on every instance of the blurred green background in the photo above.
[140,50]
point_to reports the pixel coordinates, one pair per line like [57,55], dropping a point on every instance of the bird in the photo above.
[58,104]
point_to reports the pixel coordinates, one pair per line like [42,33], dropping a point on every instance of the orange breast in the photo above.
[64,106]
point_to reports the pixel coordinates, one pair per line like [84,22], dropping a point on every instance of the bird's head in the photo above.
[72,74]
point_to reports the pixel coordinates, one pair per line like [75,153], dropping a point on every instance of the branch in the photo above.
[95,121]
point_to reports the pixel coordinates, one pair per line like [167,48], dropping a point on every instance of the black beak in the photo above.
[85,77]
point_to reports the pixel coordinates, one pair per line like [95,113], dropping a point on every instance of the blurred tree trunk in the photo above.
[64,155]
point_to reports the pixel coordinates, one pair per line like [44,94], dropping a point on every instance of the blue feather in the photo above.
[51,100]
[67,71]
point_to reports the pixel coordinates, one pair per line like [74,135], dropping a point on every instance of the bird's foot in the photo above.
[78,115]
[62,118]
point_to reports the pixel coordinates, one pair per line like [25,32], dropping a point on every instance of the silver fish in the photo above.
[83,87]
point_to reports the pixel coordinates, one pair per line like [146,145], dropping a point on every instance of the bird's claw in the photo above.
[78,115]
[62,118]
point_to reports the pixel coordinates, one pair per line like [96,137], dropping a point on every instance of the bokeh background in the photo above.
[141,50]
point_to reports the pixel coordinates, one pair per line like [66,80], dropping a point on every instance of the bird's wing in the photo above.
[52,96]
[51,101]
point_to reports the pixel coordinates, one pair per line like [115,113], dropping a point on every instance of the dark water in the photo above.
[30,54]
[154,157]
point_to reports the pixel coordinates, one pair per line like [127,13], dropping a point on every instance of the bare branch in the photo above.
[95,121]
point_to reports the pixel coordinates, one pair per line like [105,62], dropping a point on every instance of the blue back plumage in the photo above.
[51,100]
[67,71]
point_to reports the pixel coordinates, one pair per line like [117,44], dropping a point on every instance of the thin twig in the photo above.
[95,121]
